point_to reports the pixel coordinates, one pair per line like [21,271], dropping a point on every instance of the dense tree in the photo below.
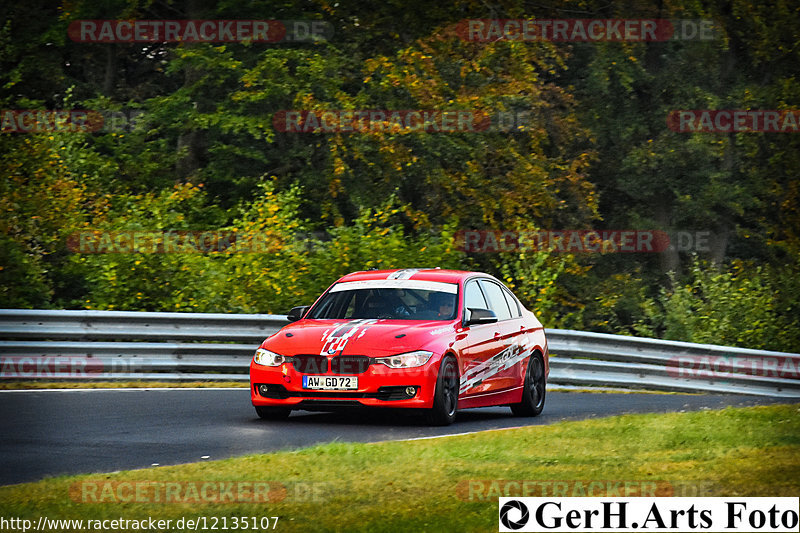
[205,149]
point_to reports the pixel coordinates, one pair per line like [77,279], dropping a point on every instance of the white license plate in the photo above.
[330,382]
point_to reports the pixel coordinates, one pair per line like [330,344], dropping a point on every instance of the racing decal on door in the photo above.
[335,340]
[441,331]
[507,358]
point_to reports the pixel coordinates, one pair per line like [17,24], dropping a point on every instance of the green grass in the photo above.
[614,390]
[419,485]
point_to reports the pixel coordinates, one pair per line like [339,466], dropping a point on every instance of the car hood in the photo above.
[359,337]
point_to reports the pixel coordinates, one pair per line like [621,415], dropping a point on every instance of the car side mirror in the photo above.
[296,313]
[480,316]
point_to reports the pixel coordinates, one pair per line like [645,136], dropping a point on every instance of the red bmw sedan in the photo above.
[428,339]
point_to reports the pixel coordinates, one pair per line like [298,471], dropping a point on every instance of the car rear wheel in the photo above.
[533,391]
[445,398]
[272,413]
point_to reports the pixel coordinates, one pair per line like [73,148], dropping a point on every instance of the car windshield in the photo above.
[399,303]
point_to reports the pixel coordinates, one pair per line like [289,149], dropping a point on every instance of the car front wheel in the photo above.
[445,398]
[533,391]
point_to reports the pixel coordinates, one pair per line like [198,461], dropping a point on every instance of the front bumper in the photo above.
[378,386]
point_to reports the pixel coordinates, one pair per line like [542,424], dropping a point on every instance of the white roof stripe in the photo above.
[451,288]
[403,274]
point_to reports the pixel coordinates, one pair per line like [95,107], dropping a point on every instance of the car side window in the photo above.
[497,302]
[512,304]
[473,297]
[331,306]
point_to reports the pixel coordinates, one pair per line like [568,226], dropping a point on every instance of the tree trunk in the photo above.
[192,143]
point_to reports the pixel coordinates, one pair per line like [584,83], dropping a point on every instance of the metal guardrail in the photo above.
[120,345]
[599,359]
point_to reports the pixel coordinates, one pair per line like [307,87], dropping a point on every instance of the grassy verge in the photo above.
[614,390]
[18,385]
[426,485]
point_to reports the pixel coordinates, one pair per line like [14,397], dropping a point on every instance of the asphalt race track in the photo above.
[48,433]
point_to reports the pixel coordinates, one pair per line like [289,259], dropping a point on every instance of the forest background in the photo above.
[201,152]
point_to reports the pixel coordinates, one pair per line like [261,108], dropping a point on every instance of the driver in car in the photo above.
[442,304]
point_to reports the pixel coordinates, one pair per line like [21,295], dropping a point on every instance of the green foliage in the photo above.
[269,274]
[299,270]
[749,306]
[145,281]
[619,304]
[595,152]
[23,281]
[537,280]
[43,197]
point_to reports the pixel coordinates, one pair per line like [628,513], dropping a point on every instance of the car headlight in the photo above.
[267,358]
[406,360]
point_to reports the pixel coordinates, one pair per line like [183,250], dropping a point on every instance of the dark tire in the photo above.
[272,413]
[445,398]
[534,389]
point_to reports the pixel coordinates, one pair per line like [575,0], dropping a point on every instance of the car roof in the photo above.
[422,274]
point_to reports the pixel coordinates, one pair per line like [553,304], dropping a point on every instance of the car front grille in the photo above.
[350,364]
[279,392]
[341,364]
[310,364]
